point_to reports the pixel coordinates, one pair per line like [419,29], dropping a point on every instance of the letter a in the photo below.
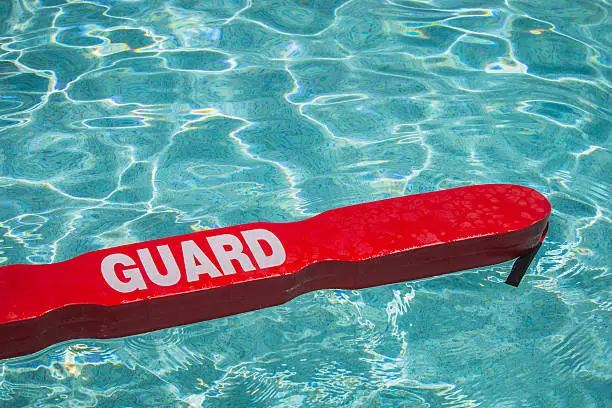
[193,253]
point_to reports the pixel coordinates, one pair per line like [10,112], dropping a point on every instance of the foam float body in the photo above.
[204,275]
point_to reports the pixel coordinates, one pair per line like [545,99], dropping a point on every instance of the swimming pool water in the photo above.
[127,120]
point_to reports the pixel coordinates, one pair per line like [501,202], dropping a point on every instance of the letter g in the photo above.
[133,275]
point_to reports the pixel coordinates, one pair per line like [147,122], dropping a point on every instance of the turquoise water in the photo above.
[123,121]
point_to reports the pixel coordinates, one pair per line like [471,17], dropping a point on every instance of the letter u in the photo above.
[173,274]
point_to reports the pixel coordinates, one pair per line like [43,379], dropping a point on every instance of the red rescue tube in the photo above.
[179,280]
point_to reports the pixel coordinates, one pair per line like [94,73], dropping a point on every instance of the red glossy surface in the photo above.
[370,244]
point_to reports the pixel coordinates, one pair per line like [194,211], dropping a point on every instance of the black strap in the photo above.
[520,266]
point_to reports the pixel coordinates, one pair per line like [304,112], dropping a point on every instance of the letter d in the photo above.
[278,256]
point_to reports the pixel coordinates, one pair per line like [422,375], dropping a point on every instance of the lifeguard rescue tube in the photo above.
[179,280]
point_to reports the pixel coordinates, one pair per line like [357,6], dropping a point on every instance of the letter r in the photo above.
[225,256]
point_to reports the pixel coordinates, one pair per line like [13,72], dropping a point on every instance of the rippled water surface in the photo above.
[122,121]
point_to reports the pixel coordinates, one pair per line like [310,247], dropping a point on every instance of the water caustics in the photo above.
[124,121]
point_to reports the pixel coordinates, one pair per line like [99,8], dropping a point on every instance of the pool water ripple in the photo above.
[123,121]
